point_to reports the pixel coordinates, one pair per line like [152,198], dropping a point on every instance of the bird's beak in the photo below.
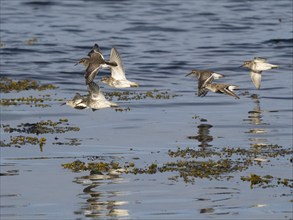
[188,74]
[64,103]
[76,63]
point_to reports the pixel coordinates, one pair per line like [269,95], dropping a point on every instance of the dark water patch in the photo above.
[9,195]
[266,88]
[174,65]
[278,97]
[151,28]
[207,47]
[287,41]
[16,50]
[205,14]
[10,173]
[41,3]
[47,158]
[157,51]
[230,28]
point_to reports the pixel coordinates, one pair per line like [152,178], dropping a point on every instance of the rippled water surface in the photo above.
[159,42]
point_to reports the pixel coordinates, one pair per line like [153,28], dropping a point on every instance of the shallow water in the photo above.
[160,42]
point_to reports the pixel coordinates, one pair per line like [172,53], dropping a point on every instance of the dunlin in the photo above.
[222,88]
[117,78]
[97,99]
[94,100]
[78,101]
[256,66]
[94,62]
[204,77]
[84,61]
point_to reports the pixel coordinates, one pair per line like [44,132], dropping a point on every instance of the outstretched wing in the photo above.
[260,59]
[226,90]
[117,72]
[91,72]
[256,78]
[95,92]
[204,78]
[95,49]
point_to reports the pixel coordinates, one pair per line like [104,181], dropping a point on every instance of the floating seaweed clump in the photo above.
[94,167]
[18,141]
[122,109]
[218,163]
[129,95]
[71,142]
[266,181]
[42,127]
[8,85]
[256,179]
[31,101]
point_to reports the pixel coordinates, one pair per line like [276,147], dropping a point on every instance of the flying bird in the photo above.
[117,78]
[256,66]
[204,77]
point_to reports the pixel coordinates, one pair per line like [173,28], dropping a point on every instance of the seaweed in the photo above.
[217,163]
[7,85]
[132,95]
[42,127]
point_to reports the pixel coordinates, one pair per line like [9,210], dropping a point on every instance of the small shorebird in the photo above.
[94,62]
[222,88]
[97,99]
[256,66]
[78,101]
[94,100]
[117,78]
[84,61]
[204,77]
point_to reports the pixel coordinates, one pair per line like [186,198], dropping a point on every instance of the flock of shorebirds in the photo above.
[95,61]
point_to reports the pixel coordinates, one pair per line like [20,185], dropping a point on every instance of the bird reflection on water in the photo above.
[255,117]
[203,135]
[101,203]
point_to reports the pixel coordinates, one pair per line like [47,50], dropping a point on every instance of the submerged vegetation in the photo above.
[191,164]
[8,85]
[29,101]
[42,127]
[187,163]
[132,95]
[38,128]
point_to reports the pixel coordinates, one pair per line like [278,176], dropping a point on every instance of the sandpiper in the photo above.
[97,99]
[94,62]
[256,66]
[222,88]
[78,101]
[204,77]
[84,61]
[117,78]
[94,100]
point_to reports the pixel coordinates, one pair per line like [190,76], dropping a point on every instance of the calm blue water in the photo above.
[160,42]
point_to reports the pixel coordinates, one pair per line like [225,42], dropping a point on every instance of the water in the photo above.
[160,42]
